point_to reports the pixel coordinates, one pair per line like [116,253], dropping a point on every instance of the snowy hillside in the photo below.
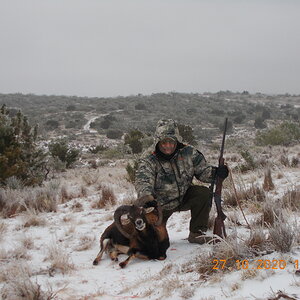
[51,254]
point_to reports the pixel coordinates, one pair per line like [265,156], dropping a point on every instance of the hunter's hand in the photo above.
[143,200]
[222,171]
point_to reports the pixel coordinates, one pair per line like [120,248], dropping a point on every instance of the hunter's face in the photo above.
[167,146]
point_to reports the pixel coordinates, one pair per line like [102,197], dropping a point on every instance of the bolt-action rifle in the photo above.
[219,227]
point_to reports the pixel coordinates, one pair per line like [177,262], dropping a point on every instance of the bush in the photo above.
[285,134]
[19,155]
[114,134]
[140,106]
[133,139]
[97,149]
[131,170]
[259,123]
[51,124]
[250,162]
[64,152]
[187,133]
[282,236]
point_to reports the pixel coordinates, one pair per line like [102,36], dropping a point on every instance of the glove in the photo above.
[143,200]
[222,171]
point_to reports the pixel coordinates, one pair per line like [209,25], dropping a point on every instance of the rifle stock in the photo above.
[219,227]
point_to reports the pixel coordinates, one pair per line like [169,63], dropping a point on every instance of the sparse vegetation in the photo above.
[268,184]
[284,134]
[19,155]
[100,179]
[65,153]
[282,236]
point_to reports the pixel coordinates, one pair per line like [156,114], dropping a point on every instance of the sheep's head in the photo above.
[135,215]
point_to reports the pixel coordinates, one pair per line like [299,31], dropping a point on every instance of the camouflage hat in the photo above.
[167,128]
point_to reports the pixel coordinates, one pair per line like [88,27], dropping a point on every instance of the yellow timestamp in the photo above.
[257,264]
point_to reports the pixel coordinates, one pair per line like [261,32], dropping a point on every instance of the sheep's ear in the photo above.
[124,219]
[149,209]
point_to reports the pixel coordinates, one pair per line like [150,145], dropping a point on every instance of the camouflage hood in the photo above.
[167,128]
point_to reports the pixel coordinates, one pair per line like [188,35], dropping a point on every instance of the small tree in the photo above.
[284,134]
[19,155]
[133,139]
[131,170]
[259,123]
[61,150]
[186,133]
[114,134]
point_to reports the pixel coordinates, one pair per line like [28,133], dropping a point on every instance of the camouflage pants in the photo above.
[197,199]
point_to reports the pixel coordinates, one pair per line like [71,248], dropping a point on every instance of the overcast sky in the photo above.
[122,47]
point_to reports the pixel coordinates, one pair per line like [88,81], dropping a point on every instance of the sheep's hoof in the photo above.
[122,265]
[95,262]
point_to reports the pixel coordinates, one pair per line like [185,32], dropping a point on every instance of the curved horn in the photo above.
[121,210]
[150,206]
[160,215]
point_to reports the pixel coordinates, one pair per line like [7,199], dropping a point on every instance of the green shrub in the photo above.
[112,154]
[284,134]
[259,123]
[133,139]
[60,149]
[97,149]
[250,162]
[51,124]
[19,155]
[131,171]
[114,134]
[186,132]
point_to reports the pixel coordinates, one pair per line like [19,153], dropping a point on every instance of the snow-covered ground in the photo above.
[58,252]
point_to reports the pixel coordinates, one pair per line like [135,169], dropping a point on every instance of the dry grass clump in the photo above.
[83,191]
[45,200]
[21,287]
[85,242]
[90,178]
[31,218]
[14,270]
[249,274]
[14,201]
[18,253]
[284,160]
[295,162]
[272,211]
[77,206]
[187,292]
[230,250]
[64,194]
[235,286]
[171,284]
[282,236]
[281,295]
[233,218]
[257,239]
[291,198]
[10,202]
[3,229]
[27,242]
[268,184]
[107,198]
[60,260]
[253,193]
[221,259]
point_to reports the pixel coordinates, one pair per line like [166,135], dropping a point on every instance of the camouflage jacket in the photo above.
[168,180]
